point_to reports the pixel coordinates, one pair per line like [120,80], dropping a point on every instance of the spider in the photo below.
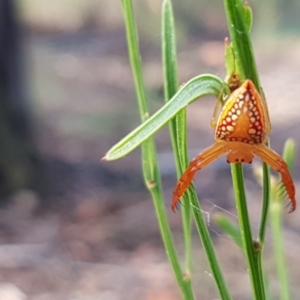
[241,131]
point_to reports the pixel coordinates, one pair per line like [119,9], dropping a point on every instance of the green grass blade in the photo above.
[154,185]
[169,52]
[134,55]
[240,38]
[251,250]
[178,123]
[193,89]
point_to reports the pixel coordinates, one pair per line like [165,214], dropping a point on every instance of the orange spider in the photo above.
[241,131]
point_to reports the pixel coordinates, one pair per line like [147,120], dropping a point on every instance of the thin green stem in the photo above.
[149,156]
[134,56]
[209,248]
[240,38]
[251,248]
[242,47]
[178,123]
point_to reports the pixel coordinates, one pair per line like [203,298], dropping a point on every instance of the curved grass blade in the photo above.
[198,86]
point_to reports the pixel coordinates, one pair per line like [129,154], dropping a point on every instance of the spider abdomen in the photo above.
[242,118]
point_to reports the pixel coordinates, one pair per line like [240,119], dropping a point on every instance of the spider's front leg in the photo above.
[199,162]
[276,162]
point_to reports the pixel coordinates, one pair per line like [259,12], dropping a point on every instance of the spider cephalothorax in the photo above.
[241,131]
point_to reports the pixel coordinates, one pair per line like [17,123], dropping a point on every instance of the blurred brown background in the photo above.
[72,227]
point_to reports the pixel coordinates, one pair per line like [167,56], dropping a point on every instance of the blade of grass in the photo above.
[239,34]
[251,249]
[178,123]
[209,248]
[198,86]
[149,156]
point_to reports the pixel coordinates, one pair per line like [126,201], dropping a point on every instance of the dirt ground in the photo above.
[98,238]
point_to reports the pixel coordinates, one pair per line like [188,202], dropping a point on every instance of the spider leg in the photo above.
[276,162]
[218,107]
[216,113]
[266,110]
[199,162]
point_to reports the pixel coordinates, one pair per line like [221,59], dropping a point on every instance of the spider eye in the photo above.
[237,160]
